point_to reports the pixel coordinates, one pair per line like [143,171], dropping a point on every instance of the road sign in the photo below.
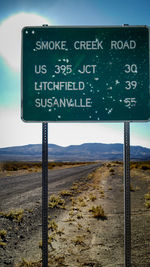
[85,74]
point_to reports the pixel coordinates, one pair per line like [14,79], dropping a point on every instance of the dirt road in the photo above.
[24,191]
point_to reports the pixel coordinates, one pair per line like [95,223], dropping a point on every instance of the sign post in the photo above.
[127,203]
[45,194]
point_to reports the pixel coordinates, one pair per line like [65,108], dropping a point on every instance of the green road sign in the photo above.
[85,74]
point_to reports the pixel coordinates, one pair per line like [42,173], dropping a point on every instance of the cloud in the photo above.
[10,32]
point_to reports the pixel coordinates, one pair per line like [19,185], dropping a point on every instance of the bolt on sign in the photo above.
[85,74]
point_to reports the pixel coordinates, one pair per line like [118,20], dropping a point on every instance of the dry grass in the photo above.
[92,197]
[79,215]
[57,261]
[142,165]
[53,226]
[132,189]
[3,234]
[147,200]
[26,263]
[56,202]
[13,215]
[79,240]
[147,196]
[2,244]
[75,187]
[118,162]
[65,193]
[112,171]
[13,166]
[147,204]
[16,166]
[81,202]
[98,212]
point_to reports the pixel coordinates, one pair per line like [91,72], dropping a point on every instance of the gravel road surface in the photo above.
[24,191]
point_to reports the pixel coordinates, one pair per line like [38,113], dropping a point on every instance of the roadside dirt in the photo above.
[76,237]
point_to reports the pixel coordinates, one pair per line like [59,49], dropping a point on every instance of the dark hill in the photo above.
[84,152]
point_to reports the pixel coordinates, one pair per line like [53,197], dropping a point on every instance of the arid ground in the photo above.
[86,221]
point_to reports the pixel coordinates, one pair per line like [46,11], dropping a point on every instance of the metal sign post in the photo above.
[44,194]
[127,208]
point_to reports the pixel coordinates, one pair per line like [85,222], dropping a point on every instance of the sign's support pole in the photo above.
[44,194]
[127,204]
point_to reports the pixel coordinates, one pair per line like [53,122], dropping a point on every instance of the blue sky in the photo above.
[14,15]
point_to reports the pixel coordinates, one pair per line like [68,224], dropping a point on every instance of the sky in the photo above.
[14,15]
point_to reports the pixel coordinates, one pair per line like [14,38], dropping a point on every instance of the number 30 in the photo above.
[131,68]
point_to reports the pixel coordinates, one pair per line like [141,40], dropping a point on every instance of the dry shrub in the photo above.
[147,196]
[147,200]
[142,165]
[53,226]
[3,234]
[98,212]
[112,171]
[145,167]
[26,263]
[92,197]
[56,202]
[65,193]
[13,215]
[118,162]
[132,189]
[147,204]
[79,240]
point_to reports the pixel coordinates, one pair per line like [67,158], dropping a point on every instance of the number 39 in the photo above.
[131,85]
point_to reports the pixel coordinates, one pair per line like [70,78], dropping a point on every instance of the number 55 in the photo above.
[130,102]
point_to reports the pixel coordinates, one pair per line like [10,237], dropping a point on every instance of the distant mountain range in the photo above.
[84,152]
